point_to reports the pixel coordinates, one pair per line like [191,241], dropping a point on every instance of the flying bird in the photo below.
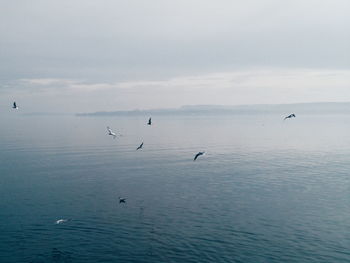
[15,106]
[197,155]
[110,132]
[140,147]
[149,121]
[290,116]
[122,200]
[60,221]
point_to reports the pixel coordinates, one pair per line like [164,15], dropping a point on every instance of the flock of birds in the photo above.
[110,132]
[114,135]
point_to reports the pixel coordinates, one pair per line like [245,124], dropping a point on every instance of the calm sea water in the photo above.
[266,191]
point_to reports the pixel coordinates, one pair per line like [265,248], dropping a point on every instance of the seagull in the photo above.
[197,155]
[14,106]
[110,132]
[122,200]
[149,121]
[60,221]
[140,147]
[290,116]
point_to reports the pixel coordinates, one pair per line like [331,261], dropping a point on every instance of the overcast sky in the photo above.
[91,55]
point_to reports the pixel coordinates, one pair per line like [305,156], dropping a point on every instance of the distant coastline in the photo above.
[307,108]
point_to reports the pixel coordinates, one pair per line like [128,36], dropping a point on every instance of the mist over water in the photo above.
[267,190]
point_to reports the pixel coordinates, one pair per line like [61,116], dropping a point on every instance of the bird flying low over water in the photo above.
[197,155]
[15,106]
[149,121]
[110,132]
[122,200]
[60,221]
[290,116]
[140,147]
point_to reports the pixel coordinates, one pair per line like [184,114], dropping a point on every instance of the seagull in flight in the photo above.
[290,116]
[197,155]
[122,200]
[60,221]
[15,106]
[140,147]
[149,121]
[110,132]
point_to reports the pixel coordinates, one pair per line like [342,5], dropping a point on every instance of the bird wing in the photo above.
[139,146]
[196,156]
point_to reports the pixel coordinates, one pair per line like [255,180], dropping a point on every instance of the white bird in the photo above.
[110,132]
[60,221]
[14,106]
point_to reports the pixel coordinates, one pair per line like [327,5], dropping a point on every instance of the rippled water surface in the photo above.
[267,190]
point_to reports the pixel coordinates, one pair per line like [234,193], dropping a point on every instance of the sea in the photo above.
[266,189]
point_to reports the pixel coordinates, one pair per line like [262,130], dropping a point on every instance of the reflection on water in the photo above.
[267,190]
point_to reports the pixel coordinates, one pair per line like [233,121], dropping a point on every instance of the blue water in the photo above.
[267,190]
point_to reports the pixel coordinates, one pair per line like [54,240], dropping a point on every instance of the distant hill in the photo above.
[308,108]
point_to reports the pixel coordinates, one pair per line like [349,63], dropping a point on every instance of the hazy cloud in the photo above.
[236,87]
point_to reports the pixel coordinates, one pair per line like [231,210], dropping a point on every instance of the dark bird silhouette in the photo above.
[140,147]
[122,200]
[197,155]
[149,121]
[15,106]
[290,116]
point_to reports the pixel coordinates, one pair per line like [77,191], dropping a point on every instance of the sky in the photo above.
[105,55]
